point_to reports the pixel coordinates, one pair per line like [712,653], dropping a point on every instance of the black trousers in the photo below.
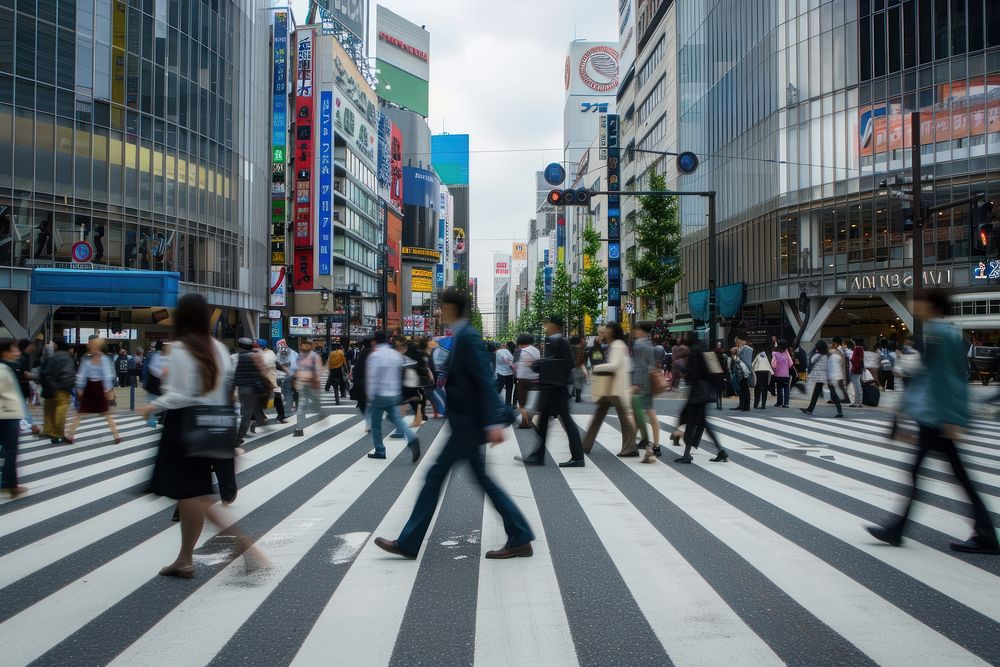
[760,389]
[818,393]
[557,405]
[505,383]
[745,395]
[696,425]
[931,439]
[335,378]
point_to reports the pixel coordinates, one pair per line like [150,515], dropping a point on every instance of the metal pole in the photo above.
[711,268]
[327,318]
[918,221]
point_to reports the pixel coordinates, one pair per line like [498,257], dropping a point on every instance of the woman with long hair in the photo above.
[199,366]
[95,382]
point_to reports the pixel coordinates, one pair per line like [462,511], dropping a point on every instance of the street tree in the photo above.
[589,292]
[462,283]
[656,264]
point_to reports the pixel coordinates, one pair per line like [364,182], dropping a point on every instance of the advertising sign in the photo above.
[352,14]
[279,297]
[421,279]
[300,325]
[278,249]
[611,125]
[420,188]
[519,252]
[561,239]
[396,166]
[459,241]
[355,107]
[325,183]
[501,268]
[384,170]
[441,245]
[421,253]
[450,157]
[302,226]
[592,68]
[402,57]
[983,271]
[280,77]
[302,269]
[276,332]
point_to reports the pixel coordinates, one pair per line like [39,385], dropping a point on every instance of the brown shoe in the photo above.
[392,546]
[507,551]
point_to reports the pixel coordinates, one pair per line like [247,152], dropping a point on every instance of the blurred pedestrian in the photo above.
[358,392]
[818,367]
[743,358]
[57,375]
[617,373]
[384,391]
[12,411]
[250,386]
[836,374]
[123,362]
[337,369]
[475,415]
[269,368]
[95,381]
[783,366]
[505,371]
[22,370]
[286,363]
[857,362]
[938,399]
[701,368]
[644,367]
[527,376]
[199,369]
[762,379]
[307,382]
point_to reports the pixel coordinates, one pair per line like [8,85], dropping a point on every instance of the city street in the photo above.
[762,560]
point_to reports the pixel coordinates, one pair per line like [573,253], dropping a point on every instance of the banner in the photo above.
[519,252]
[611,127]
[325,182]
[278,287]
[302,271]
[302,228]
[421,279]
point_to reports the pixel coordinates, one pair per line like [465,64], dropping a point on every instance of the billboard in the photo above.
[352,14]
[396,166]
[356,113]
[279,295]
[626,34]
[450,157]
[961,109]
[501,267]
[325,183]
[592,67]
[384,170]
[610,128]
[279,135]
[421,279]
[302,228]
[420,188]
[402,58]
[519,252]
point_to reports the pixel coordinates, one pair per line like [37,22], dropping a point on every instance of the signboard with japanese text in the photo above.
[325,183]
[421,279]
[302,225]
[610,127]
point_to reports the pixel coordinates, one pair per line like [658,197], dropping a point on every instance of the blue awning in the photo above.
[729,299]
[110,289]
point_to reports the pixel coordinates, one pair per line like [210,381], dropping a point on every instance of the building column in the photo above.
[820,314]
[250,322]
[8,320]
[902,312]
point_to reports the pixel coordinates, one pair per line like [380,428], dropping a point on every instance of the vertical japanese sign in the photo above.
[442,225]
[302,227]
[396,166]
[325,182]
[561,239]
[610,124]
[279,137]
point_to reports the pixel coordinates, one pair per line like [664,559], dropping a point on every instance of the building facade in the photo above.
[142,130]
[800,115]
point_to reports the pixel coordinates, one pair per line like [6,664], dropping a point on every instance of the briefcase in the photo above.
[600,385]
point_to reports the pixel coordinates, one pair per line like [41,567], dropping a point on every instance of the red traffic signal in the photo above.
[569,197]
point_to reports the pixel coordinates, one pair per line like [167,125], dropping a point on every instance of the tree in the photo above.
[462,284]
[656,263]
[562,301]
[530,320]
[594,282]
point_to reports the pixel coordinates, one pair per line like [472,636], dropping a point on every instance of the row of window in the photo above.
[358,169]
[649,66]
[654,98]
[358,224]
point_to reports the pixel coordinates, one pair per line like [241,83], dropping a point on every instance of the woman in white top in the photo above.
[95,382]
[527,376]
[12,411]
[505,372]
[619,391]
[199,368]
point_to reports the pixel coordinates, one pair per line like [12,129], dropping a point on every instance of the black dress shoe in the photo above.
[806,412]
[684,459]
[887,535]
[976,545]
[376,455]
[657,452]
[506,551]
[573,463]
[530,460]
[721,457]
[736,408]
[392,546]
[415,450]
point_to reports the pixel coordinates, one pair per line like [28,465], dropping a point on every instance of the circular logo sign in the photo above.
[599,69]
[687,162]
[568,70]
[555,174]
[82,252]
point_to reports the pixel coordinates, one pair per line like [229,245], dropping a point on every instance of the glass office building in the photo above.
[800,111]
[140,126]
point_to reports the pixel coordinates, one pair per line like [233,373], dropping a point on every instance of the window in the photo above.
[651,62]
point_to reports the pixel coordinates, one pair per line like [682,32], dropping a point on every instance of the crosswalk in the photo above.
[762,560]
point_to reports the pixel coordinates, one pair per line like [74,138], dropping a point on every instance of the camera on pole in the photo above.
[569,197]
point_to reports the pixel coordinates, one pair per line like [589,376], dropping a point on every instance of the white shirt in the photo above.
[384,373]
[182,387]
[505,361]
[529,355]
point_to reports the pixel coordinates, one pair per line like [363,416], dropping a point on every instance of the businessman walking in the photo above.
[475,416]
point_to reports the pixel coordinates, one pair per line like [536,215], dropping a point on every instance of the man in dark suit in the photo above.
[555,377]
[475,415]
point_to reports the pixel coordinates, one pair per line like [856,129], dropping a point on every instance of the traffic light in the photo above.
[982,213]
[569,197]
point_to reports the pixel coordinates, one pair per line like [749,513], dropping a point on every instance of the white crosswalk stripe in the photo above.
[756,561]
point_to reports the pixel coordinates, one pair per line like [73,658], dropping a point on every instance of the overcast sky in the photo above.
[497,75]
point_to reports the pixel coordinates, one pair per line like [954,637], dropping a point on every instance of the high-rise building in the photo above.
[450,156]
[135,133]
[801,116]
[501,290]
[402,59]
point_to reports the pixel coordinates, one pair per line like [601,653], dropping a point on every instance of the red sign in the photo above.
[400,44]
[396,166]
[302,220]
[302,271]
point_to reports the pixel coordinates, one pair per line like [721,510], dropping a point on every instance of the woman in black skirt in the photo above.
[700,372]
[95,384]
[199,367]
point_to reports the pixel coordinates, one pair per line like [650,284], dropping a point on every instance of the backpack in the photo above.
[885,362]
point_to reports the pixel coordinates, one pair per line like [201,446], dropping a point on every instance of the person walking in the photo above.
[269,369]
[58,377]
[743,353]
[857,365]
[818,367]
[678,360]
[12,411]
[579,346]
[701,368]
[95,382]
[475,415]
[307,382]
[337,370]
[287,362]
[783,366]
[199,369]
[527,376]
[123,362]
[644,365]
[22,370]
[762,379]
[554,379]
[358,389]
[618,370]
[836,372]
[384,391]
[154,368]
[505,371]
[939,402]
[249,383]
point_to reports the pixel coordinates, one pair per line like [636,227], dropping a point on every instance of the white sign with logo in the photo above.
[300,325]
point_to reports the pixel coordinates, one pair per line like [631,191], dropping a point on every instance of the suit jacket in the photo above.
[556,367]
[472,401]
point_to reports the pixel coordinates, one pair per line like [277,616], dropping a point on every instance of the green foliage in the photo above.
[656,263]
[594,282]
[462,283]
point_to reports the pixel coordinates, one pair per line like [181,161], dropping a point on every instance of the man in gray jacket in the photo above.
[644,363]
[745,353]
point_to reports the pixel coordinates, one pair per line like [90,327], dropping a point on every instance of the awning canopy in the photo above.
[106,288]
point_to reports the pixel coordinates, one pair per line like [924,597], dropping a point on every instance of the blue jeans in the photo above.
[781,386]
[379,407]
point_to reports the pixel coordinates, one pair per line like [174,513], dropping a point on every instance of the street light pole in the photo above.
[918,219]
[711,269]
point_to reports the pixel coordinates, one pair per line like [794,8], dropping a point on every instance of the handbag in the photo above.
[657,382]
[600,385]
[533,403]
[208,431]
